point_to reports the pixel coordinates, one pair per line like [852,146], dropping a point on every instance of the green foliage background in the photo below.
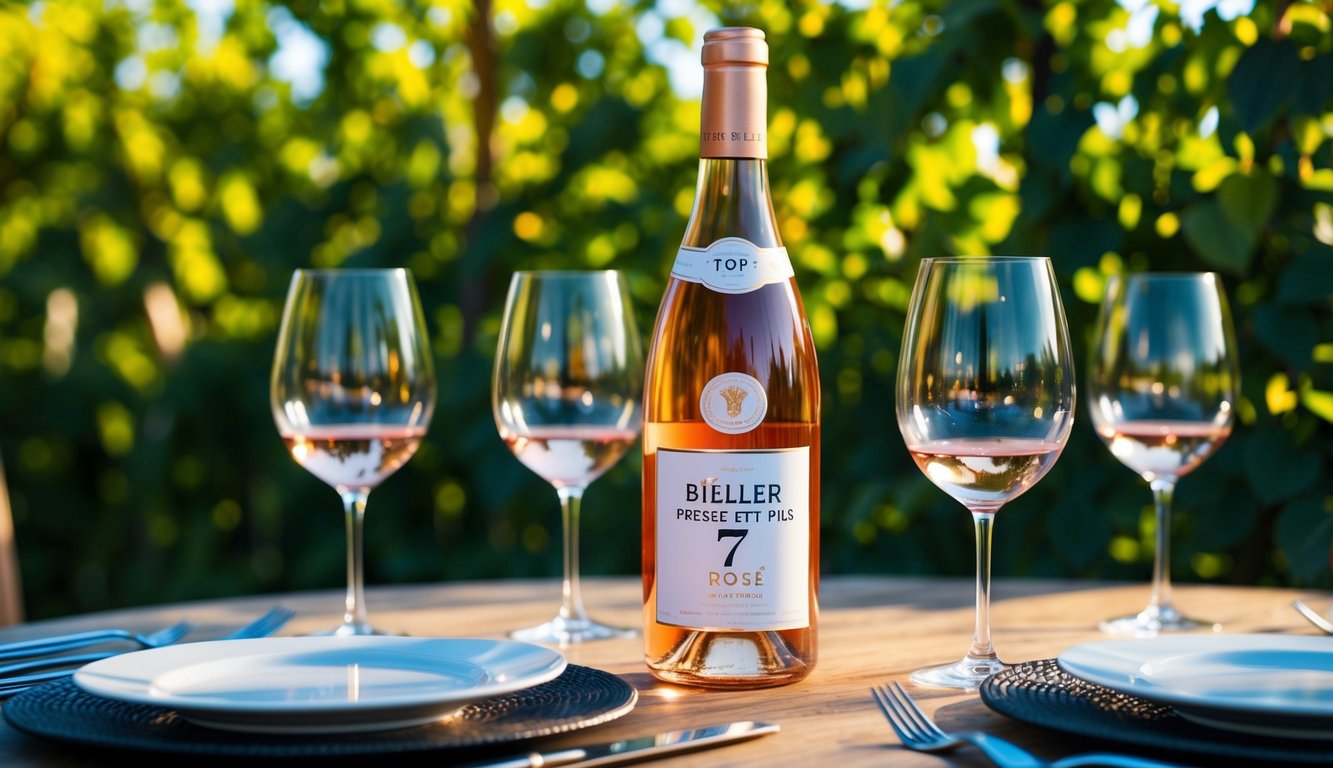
[150,159]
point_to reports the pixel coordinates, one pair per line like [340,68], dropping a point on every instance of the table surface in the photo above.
[872,629]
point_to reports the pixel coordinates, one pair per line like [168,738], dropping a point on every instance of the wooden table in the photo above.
[872,629]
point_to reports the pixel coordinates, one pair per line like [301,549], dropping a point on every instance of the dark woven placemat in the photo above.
[1040,693]
[580,697]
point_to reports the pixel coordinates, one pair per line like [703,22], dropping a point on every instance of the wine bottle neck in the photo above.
[734,111]
[732,200]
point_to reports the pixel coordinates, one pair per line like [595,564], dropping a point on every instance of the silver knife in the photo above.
[637,748]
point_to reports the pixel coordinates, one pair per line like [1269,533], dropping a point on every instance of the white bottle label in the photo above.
[732,265]
[733,539]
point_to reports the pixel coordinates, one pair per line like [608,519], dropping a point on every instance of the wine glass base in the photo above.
[356,630]
[1155,620]
[967,674]
[562,632]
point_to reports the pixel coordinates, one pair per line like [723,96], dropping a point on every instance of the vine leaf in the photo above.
[1264,80]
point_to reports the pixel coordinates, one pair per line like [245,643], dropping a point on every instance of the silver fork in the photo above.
[12,681]
[46,645]
[917,731]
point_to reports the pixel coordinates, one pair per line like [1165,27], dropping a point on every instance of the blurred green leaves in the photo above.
[164,166]
[1225,230]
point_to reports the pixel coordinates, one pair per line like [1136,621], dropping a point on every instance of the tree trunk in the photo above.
[474,289]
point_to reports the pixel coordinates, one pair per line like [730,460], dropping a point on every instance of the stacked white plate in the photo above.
[1275,685]
[323,684]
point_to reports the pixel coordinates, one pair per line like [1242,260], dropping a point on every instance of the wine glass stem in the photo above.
[354,614]
[981,640]
[571,602]
[1162,491]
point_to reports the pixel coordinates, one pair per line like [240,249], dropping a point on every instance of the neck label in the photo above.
[732,265]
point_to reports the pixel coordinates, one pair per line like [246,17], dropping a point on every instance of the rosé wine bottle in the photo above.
[731,416]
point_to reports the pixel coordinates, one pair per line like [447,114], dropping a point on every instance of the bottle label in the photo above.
[733,539]
[732,265]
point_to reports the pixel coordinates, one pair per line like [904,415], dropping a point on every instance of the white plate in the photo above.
[1276,685]
[324,684]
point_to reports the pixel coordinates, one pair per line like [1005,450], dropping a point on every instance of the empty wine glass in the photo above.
[566,398]
[1162,390]
[352,392]
[985,402]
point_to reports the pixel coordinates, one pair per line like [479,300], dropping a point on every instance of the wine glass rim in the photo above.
[567,272]
[1169,275]
[978,259]
[350,271]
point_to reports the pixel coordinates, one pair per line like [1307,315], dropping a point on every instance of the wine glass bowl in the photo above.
[1161,388]
[352,391]
[984,401]
[566,398]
